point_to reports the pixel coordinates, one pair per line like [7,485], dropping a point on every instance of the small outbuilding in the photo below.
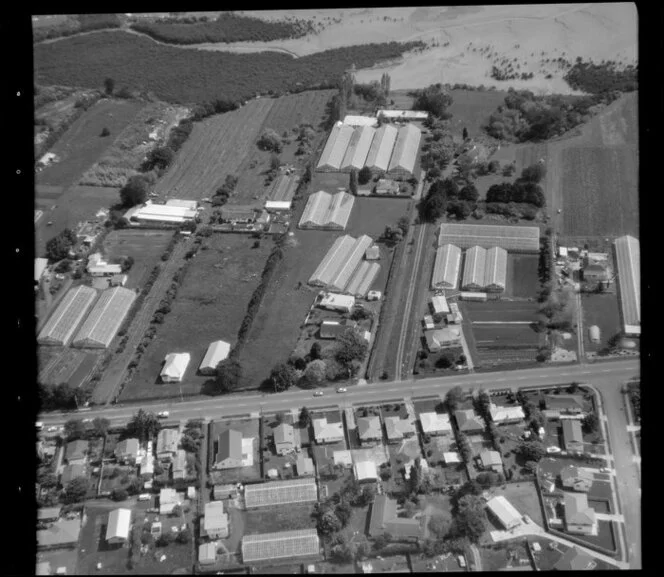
[175,366]
[216,352]
[504,512]
[117,530]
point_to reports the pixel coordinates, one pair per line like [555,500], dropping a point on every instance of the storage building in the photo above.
[175,365]
[335,148]
[435,423]
[495,272]
[216,352]
[327,211]
[405,115]
[215,521]
[523,239]
[69,313]
[358,148]
[360,120]
[105,319]
[628,259]
[365,471]
[362,279]
[504,512]
[337,302]
[380,152]
[207,553]
[117,530]
[189,204]
[473,296]
[473,270]
[283,189]
[281,545]
[404,156]
[446,267]
[439,305]
[160,213]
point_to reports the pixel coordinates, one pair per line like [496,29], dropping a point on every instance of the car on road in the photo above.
[318,394]
[163,414]
[52,429]
[341,390]
[87,420]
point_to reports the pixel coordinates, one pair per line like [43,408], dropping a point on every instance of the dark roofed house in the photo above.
[572,435]
[332,329]
[564,404]
[238,214]
[76,452]
[229,451]
[468,421]
[72,472]
[575,560]
[576,478]
[384,520]
[369,429]
[595,273]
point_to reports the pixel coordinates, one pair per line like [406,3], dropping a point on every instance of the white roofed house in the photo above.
[438,339]
[337,302]
[325,432]
[335,148]
[127,451]
[580,518]
[380,152]
[439,305]
[167,444]
[97,266]
[358,148]
[495,272]
[207,553]
[304,466]
[397,428]
[179,467]
[404,156]
[446,267]
[215,521]
[175,366]
[119,522]
[168,499]
[365,471]
[501,415]
[435,423]
[216,352]
[473,270]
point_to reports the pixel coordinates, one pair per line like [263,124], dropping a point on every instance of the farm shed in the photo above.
[473,270]
[402,163]
[280,493]
[446,267]
[403,114]
[332,329]
[281,545]
[175,365]
[189,204]
[360,120]
[337,302]
[380,152]
[594,334]
[628,259]
[283,188]
[304,466]
[105,319]
[362,278]
[207,553]
[386,186]
[512,238]
[335,148]
[117,530]
[439,305]
[70,312]
[327,211]
[495,272]
[358,148]
[238,214]
[277,205]
[473,296]
[504,511]
[332,261]
[97,266]
[216,352]
[435,423]
[160,213]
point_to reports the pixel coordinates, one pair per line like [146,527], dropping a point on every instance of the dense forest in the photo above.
[76,24]
[187,76]
[601,78]
[228,27]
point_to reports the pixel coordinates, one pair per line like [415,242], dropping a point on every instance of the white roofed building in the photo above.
[358,148]
[117,530]
[337,302]
[473,270]
[215,521]
[403,114]
[435,423]
[495,272]
[446,267]
[362,278]
[190,204]
[628,259]
[105,318]
[500,414]
[325,432]
[365,471]
[327,211]
[62,323]
[439,305]
[216,352]
[349,266]
[380,152]
[334,259]
[521,239]
[167,444]
[404,155]
[360,120]
[97,266]
[40,267]
[175,366]
[160,214]
[504,512]
[335,148]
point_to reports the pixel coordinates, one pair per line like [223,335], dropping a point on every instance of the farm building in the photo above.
[150,213]
[365,471]
[280,493]
[325,432]
[175,365]
[594,334]
[118,280]
[358,148]
[328,211]
[117,530]
[337,302]
[438,339]
[439,305]
[168,499]
[97,266]
[378,159]
[403,114]
[386,186]
[283,189]
[277,206]
[628,259]
[384,519]
[446,267]
[495,271]
[473,269]
[281,545]
[402,163]
[70,312]
[215,521]
[216,352]
[372,253]
[360,120]
[595,273]
[190,204]
[207,553]
[511,238]
[105,319]
[435,423]
[350,265]
[504,512]
[238,214]
[335,148]
[473,296]
[362,278]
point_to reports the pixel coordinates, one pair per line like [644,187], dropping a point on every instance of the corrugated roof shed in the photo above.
[474,267]
[380,152]
[70,312]
[119,521]
[404,155]
[628,257]
[358,148]
[335,148]
[281,545]
[446,267]
[105,318]
[511,238]
[504,511]
[495,272]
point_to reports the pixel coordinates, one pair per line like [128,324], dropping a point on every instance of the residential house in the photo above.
[238,214]
[397,429]
[503,415]
[49,514]
[435,423]
[451,458]
[369,429]
[491,460]
[126,451]
[575,560]
[580,519]
[386,186]
[220,492]
[325,432]
[576,478]
[76,452]
[594,273]
[117,529]
[168,499]
[365,471]
[384,519]
[337,302]
[304,466]
[438,339]
[167,444]
[557,405]
[179,468]
[215,521]
[343,458]
[62,534]
[146,470]
[207,553]
[284,439]
[71,472]
[229,450]
[469,422]
[572,435]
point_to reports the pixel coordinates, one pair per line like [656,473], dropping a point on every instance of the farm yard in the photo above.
[144,246]
[82,144]
[218,146]
[210,305]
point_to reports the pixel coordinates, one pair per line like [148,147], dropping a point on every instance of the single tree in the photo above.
[469,193]
[104,132]
[350,346]
[534,173]
[343,512]
[305,417]
[135,191]
[100,426]
[315,351]
[590,423]
[109,85]
[74,429]
[229,374]
[531,450]
[315,372]
[382,541]
[352,182]
[328,523]
[160,157]
[143,426]
[454,398]
[76,490]
[531,467]
[439,525]
[464,167]
[364,175]
[270,140]
[283,377]
[165,539]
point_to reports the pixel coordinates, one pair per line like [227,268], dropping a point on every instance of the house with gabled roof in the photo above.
[557,405]
[397,428]
[572,435]
[71,472]
[229,451]
[491,460]
[127,451]
[284,439]
[575,560]
[369,429]
[384,519]
[167,444]
[76,452]
[469,421]
[580,518]
[576,478]
[504,415]
[435,423]
[325,432]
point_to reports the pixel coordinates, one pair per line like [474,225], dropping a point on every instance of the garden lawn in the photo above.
[523,495]
[471,109]
[283,518]
[603,311]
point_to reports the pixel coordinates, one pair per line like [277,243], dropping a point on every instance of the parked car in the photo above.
[318,394]
[341,390]
[163,414]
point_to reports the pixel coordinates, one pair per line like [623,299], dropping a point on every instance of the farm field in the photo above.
[500,311]
[67,366]
[285,518]
[602,310]
[522,275]
[218,146]
[371,215]
[76,204]
[145,246]
[210,305]
[82,145]
[471,108]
